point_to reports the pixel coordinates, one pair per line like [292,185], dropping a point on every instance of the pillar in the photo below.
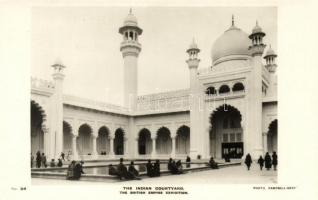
[153,153]
[173,150]
[111,143]
[94,152]
[125,146]
[74,150]
[265,147]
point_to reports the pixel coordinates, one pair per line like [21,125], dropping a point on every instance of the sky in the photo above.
[86,41]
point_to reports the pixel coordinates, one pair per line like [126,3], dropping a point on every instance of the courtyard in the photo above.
[228,175]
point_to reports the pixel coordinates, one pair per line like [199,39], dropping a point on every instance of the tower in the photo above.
[57,117]
[270,60]
[254,113]
[130,48]
[193,64]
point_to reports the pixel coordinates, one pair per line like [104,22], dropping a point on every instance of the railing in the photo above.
[41,84]
[82,102]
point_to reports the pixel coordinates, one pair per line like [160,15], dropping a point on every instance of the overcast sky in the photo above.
[86,41]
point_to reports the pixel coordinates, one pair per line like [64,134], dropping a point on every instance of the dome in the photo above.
[130,20]
[257,29]
[270,52]
[234,41]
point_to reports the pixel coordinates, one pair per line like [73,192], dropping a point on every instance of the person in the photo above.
[112,170]
[78,170]
[274,160]
[174,168]
[68,156]
[32,160]
[133,172]
[59,163]
[38,159]
[70,170]
[213,164]
[170,164]
[156,168]
[261,162]
[268,161]
[179,167]
[227,157]
[188,161]
[122,169]
[63,156]
[43,159]
[150,170]
[52,163]
[248,161]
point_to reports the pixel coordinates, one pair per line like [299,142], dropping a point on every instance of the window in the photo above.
[224,89]
[238,137]
[238,87]
[210,90]
[225,137]
[232,137]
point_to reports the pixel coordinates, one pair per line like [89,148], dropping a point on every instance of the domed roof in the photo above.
[270,52]
[257,29]
[234,41]
[130,20]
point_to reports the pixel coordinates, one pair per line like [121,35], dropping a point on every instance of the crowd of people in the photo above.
[41,160]
[268,160]
[75,170]
[122,172]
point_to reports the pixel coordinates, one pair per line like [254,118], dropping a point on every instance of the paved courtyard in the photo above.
[228,175]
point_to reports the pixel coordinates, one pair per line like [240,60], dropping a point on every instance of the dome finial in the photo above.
[232,20]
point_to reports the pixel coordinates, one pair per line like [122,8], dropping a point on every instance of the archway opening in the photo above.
[84,140]
[119,142]
[67,137]
[224,89]
[226,133]
[102,141]
[37,134]
[144,142]
[210,91]
[183,140]
[163,141]
[272,136]
[238,87]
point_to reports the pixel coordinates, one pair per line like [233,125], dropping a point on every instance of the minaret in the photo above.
[270,60]
[254,115]
[57,117]
[195,138]
[130,48]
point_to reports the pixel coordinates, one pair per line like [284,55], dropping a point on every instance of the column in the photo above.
[265,142]
[125,146]
[74,151]
[173,151]
[94,152]
[153,153]
[136,148]
[111,144]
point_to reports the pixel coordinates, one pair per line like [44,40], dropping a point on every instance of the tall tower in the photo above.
[254,113]
[270,60]
[57,117]
[130,48]
[193,64]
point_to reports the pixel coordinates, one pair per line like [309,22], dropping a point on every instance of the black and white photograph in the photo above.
[141,100]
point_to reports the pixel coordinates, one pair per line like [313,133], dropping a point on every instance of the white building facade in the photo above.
[229,109]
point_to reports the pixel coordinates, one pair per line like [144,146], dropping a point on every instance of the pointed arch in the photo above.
[163,141]
[67,137]
[119,141]
[226,133]
[38,121]
[183,140]
[144,142]
[84,139]
[103,141]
